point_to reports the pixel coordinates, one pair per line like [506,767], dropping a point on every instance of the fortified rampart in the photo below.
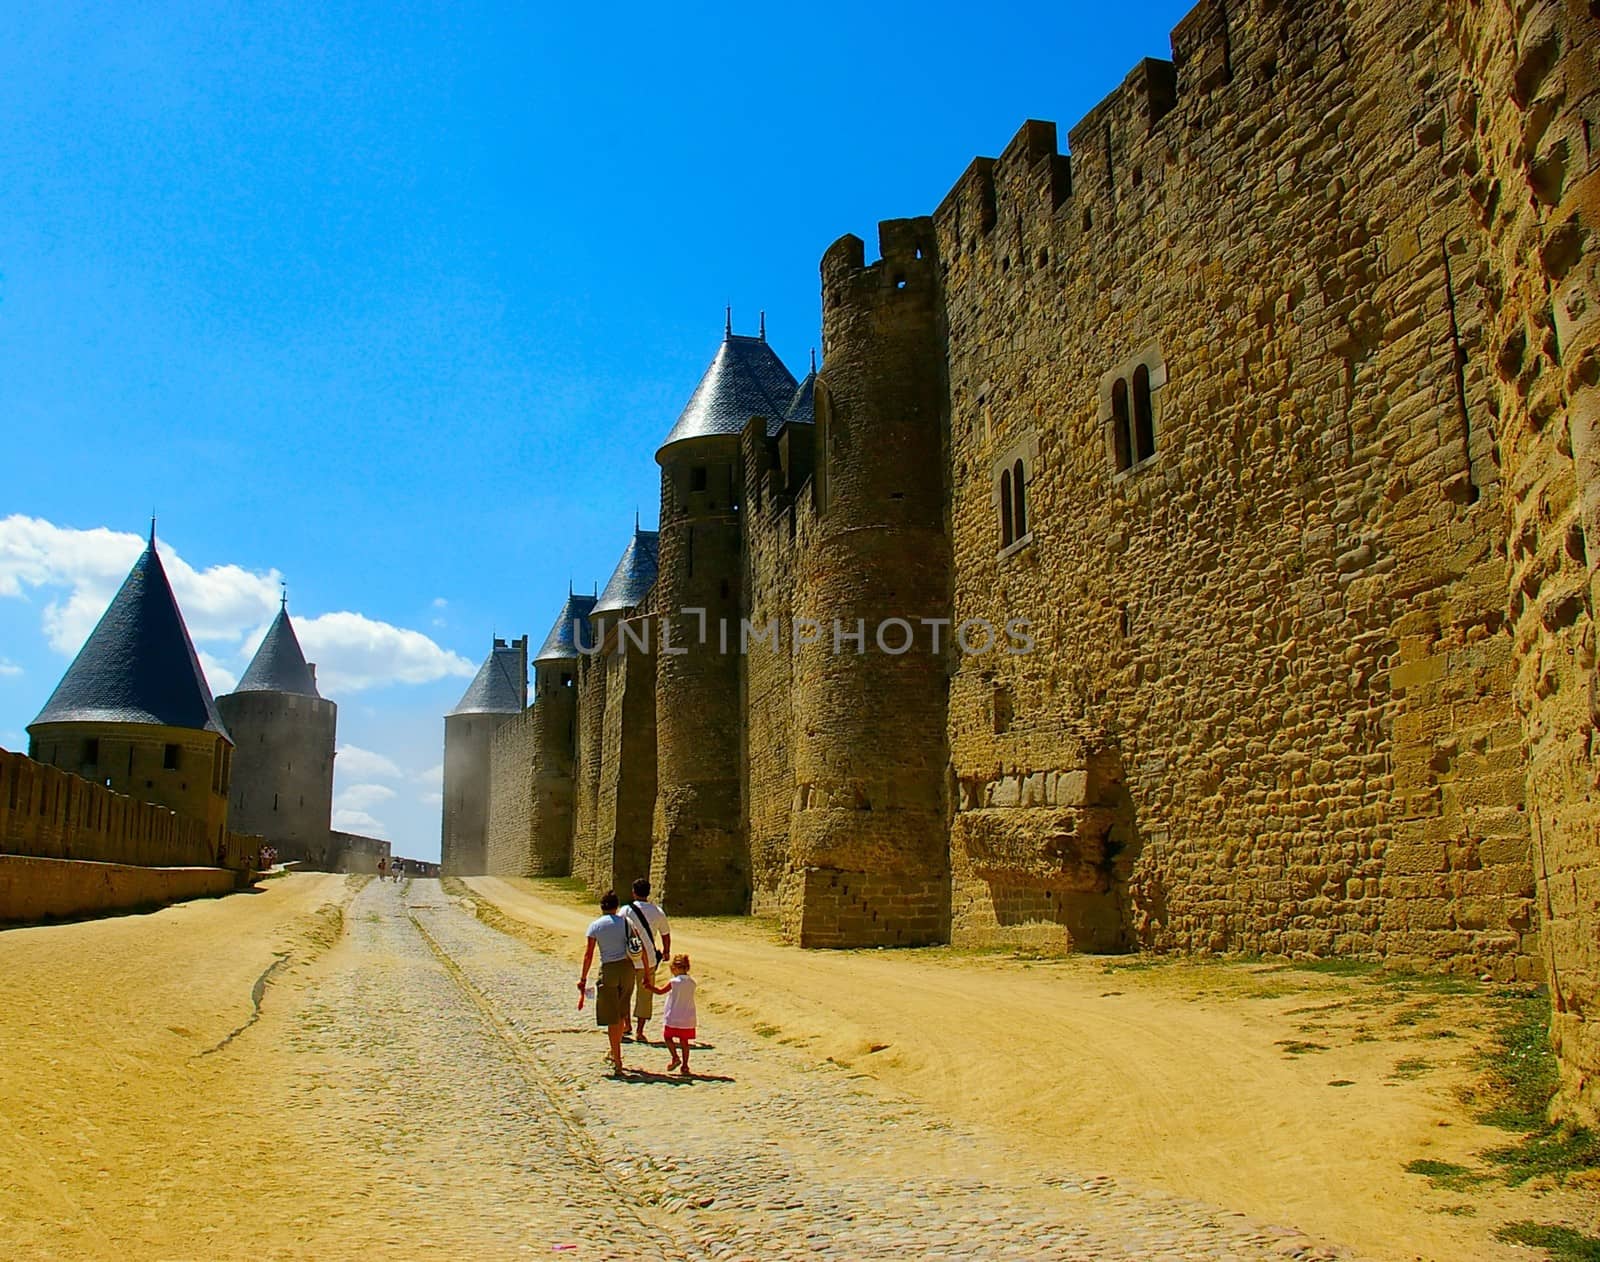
[1245,457]
[48,813]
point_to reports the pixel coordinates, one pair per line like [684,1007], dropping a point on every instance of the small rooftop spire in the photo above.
[727,323]
[152,527]
[636,520]
[283,598]
[813,359]
[763,332]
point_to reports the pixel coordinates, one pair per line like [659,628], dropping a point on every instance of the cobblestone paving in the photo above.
[484,1105]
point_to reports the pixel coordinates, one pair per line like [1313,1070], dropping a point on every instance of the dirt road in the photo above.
[336,1067]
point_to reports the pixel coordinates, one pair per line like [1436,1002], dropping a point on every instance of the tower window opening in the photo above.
[1019,512]
[697,478]
[1143,413]
[169,758]
[1007,535]
[274,801]
[1121,432]
[91,751]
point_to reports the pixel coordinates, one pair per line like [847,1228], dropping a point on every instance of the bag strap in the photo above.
[649,931]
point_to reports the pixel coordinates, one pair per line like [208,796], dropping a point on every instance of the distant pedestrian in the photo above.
[610,934]
[678,1016]
[647,920]
[383,867]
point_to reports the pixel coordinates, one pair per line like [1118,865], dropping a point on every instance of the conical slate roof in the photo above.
[138,664]
[634,576]
[745,379]
[496,689]
[571,629]
[279,665]
[803,407]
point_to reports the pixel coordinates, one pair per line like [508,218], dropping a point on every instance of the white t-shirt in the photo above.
[680,1003]
[657,920]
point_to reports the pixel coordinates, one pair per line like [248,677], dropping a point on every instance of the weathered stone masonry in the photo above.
[1272,408]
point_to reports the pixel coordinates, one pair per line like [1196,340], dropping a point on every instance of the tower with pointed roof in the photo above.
[284,735]
[700,858]
[134,712]
[498,692]
[614,685]
[531,759]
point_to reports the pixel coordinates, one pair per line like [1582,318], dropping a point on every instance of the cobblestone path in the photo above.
[483,1108]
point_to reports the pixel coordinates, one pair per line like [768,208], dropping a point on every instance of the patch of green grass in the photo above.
[1337,966]
[1410,1067]
[1561,1244]
[1433,983]
[764,1030]
[1446,1174]
[1415,1016]
[1519,1080]
[1457,1211]
[1520,1066]
[1554,1151]
[1299,1047]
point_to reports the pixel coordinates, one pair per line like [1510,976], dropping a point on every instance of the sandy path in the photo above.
[415,1083]
[1293,1099]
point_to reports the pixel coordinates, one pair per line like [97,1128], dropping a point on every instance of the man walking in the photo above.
[647,920]
[610,934]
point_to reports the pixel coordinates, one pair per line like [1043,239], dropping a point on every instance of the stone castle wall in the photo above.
[509,832]
[47,813]
[1282,621]
[1524,128]
[626,804]
[1272,410]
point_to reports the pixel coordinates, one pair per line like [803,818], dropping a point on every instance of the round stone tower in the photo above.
[284,735]
[498,692]
[700,860]
[134,711]
[868,833]
[552,740]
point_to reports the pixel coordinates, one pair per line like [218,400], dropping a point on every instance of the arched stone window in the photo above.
[1128,407]
[1121,434]
[1007,535]
[1019,511]
[1144,417]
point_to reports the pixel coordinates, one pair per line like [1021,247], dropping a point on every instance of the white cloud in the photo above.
[218,676]
[8,667]
[80,570]
[347,821]
[366,765]
[439,602]
[434,776]
[361,797]
[353,652]
[431,799]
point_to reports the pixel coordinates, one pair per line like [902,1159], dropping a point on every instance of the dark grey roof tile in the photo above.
[138,664]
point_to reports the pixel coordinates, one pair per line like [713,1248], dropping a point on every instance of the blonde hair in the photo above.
[680,963]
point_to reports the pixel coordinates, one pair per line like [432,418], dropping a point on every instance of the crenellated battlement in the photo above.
[907,249]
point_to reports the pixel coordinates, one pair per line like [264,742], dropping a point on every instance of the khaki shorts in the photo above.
[643,997]
[613,991]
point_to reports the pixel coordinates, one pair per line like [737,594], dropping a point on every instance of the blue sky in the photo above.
[395,301]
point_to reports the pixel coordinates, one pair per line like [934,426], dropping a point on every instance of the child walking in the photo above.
[678,1018]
